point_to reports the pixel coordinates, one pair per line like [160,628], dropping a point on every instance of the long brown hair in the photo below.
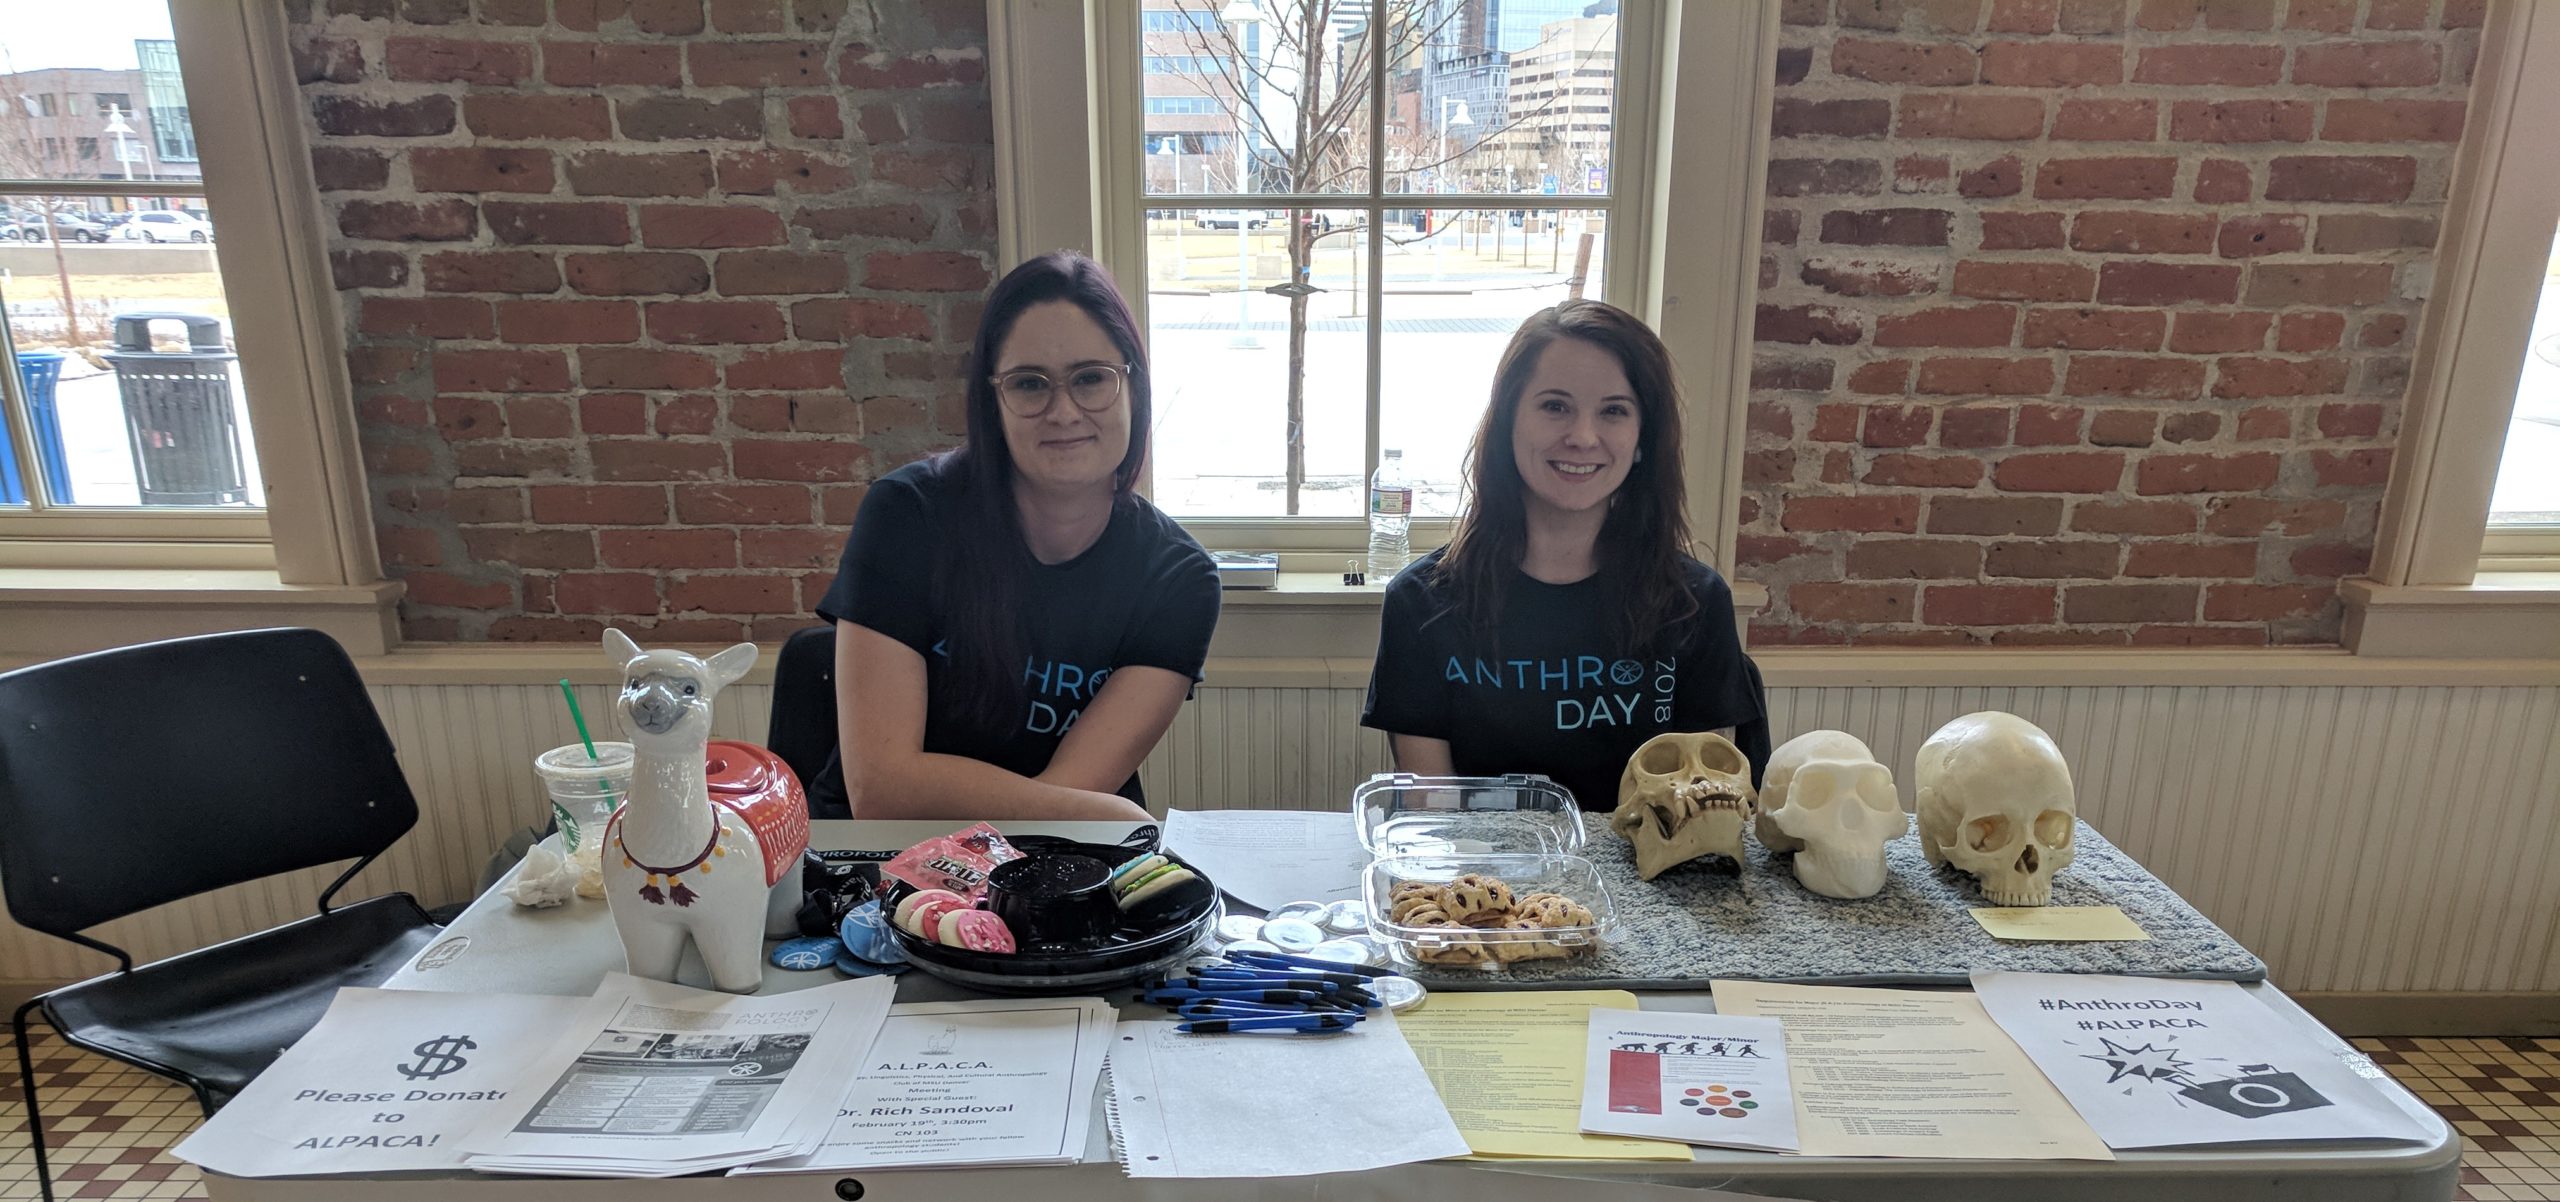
[988,594]
[1646,532]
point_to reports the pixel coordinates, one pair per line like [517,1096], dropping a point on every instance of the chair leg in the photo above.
[27,1086]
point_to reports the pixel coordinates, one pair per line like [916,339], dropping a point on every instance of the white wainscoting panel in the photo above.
[2359,838]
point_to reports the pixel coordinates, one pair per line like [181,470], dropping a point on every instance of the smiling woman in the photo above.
[1565,619]
[1016,625]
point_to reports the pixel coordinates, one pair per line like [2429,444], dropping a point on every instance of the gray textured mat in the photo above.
[1698,922]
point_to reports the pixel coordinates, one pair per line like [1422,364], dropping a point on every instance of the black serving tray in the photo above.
[1124,956]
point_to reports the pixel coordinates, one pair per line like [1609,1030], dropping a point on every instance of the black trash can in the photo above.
[178,414]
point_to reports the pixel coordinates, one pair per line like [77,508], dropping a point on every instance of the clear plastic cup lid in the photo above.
[570,763]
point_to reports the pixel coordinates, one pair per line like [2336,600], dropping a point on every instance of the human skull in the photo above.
[1826,799]
[1995,801]
[1681,797]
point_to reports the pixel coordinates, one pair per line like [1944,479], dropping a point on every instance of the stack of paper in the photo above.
[657,1080]
[1005,1082]
[1272,1105]
[390,1081]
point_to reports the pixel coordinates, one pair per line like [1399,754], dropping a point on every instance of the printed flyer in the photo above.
[1717,1079]
[2156,1063]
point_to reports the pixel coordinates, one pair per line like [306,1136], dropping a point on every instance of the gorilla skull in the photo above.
[1827,800]
[1681,797]
[1995,800]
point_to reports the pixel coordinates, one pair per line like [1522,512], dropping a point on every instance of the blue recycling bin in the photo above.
[39,371]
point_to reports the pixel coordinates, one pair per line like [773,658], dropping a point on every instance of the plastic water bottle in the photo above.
[1390,513]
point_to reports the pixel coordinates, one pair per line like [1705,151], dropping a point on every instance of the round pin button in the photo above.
[1310,911]
[1292,934]
[1347,951]
[1251,945]
[1399,993]
[806,955]
[1236,928]
[1346,918]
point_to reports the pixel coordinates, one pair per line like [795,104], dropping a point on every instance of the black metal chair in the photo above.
[140,776]
[803,727]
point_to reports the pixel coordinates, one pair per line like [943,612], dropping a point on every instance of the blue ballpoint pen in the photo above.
[1291,971]
[1240,1010]
[1286,959]
[1307,1024]
[1177,993]
[1206,979]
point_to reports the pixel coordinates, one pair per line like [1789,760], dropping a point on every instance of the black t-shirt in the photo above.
[1142,595]
[1549,693]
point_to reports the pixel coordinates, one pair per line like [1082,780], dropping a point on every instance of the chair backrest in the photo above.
[803,728]
[139,776]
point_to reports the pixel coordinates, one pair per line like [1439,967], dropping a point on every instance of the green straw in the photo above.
[610,804]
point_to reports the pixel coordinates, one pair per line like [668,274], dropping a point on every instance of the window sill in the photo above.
[46,613]
[2500,615]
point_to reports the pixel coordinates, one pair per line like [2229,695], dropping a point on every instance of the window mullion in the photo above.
[1376,326]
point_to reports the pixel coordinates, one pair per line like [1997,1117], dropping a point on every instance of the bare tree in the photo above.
[1304,97]
[20,159]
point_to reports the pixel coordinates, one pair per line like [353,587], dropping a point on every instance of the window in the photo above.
[111,103]
[2525,501]
[171,125]
[199,553]
[2467,559]
[125,383]
[1334,275]
[45,105]
[1111,186]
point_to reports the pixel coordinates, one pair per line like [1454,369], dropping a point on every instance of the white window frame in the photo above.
[2443,583]
[1062,72]
[72,579]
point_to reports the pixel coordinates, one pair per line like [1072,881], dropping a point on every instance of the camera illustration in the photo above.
[2264,1091]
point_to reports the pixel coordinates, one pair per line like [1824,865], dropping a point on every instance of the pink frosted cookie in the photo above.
[918,910]
[975,930]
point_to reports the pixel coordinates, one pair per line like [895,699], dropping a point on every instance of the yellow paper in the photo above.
[2077,924]
[1509,1068]
[1901,1072]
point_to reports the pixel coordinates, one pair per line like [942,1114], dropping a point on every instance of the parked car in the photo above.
[164,226]
[70,227]
[1226,219]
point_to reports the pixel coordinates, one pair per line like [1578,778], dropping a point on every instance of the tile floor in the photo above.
[109,1127]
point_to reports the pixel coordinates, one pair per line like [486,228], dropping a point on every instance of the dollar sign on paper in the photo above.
[436,1057]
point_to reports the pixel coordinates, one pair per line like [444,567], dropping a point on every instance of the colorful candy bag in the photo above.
[958,862]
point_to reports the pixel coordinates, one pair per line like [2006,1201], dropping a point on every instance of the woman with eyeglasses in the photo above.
[1015,627]
[1565,623]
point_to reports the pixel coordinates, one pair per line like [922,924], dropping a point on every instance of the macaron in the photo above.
[1165,894]
[917,909]
[974,930]
[1127,876]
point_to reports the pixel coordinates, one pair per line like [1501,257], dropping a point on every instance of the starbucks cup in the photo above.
[584,791]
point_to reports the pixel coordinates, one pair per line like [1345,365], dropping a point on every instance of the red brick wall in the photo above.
[639,293]
[2087,321]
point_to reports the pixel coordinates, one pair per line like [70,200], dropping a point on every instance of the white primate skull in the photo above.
[1826,799]
[1682,797]
[1995,801]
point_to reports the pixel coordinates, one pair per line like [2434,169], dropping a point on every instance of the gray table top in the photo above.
[499,947]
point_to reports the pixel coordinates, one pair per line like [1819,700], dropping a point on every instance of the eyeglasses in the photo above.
[1094,387]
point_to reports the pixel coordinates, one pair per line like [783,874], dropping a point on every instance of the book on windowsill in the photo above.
[1245,569]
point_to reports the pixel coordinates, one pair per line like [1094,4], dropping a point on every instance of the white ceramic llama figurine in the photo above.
[675,862]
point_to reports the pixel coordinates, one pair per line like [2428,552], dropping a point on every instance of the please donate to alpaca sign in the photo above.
[390,1081]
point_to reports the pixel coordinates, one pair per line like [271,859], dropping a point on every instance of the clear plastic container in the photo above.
[1490,948]
[1400,814]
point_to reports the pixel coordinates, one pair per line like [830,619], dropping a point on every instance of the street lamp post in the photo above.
[1172,153]
[116,125]
[1440,178]
[1241,16]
